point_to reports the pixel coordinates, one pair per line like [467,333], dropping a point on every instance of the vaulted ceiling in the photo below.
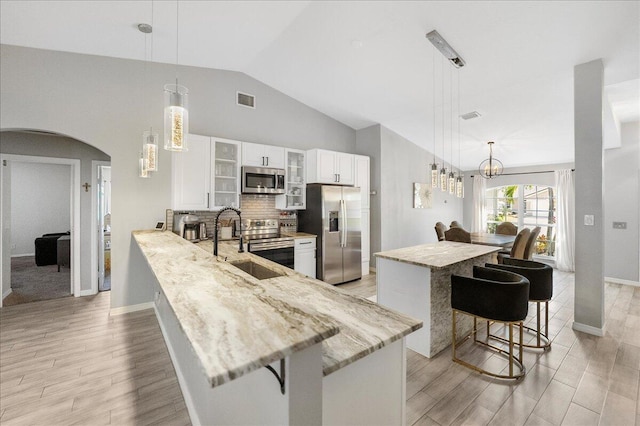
[368,62]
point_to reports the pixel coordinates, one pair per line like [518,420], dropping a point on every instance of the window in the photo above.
[525,206]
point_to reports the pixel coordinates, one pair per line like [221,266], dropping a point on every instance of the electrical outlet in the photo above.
[589,220]
[619,225]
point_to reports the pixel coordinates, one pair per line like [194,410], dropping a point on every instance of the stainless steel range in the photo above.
[263,239]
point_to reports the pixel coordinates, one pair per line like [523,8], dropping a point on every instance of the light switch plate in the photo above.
[619,225]
[589,220]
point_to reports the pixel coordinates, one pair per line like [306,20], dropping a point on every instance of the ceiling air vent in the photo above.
[245,99]
[470,115]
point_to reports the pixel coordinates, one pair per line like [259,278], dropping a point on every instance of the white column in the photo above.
[589,277]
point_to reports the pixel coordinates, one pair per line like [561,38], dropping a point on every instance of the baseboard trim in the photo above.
[22,255]
[89,293]
[6,293]
[131,308]
[188,401]
[623,282]
[587,329]
[372,269]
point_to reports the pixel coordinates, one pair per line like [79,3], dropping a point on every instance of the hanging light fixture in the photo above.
[143,171]
[149,138]
[434,165]
[176,113]
[491,167]
[452,176]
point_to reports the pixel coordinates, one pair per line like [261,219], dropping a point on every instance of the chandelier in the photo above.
[491,167]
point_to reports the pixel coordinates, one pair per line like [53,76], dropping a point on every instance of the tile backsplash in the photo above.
[253,206]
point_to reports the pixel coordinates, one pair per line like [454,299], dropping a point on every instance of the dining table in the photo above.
[487,239]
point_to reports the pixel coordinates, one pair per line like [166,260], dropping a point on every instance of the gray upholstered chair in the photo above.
[540,277]
[440,230]
[517,249]
[506,228]
[530,247]
[458,235]
[491,295]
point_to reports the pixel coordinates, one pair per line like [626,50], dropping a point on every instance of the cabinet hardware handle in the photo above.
[308,242]
[208,199]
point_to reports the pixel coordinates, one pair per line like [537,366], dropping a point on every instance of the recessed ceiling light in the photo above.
[145,28]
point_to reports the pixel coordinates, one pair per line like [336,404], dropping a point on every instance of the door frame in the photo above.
[74,189]
[95,222]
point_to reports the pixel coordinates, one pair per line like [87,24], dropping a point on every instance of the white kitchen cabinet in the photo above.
[304,256]
[295,186]
[191,175]
[365,240]
[330,167]
[226,173]
[258,155]
[207,176]
[362,177]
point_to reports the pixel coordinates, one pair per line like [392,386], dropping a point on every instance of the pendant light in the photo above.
[176,113]
[143,171]
[434,165]
[491,167]
[452,176]
[149,138]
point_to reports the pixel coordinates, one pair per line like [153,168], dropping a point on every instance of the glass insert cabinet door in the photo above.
[226,173]
[295,182]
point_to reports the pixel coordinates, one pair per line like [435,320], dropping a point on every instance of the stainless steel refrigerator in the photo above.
[334,214]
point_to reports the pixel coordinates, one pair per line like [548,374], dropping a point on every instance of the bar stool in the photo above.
[540,277]
[491,295]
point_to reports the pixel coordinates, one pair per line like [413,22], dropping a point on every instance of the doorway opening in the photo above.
[103,173]
[40,219]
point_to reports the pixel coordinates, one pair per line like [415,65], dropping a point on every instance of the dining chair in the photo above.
[440,230]
[507,228]
[457,234]
[455,224]
[530,247]
[491,295]
[517,250]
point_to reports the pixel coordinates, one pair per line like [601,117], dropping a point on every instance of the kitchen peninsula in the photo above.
[424,292]
[344,356]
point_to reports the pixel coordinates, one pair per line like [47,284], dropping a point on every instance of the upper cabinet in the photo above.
[362,176]
[295,184]
[191,175]
[258,155]
[226,173]
[207,176]
[330,167]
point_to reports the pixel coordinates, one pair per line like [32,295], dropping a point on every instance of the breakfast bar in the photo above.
[417,282]
[340,359]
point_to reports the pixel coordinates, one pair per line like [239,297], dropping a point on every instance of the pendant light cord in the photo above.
[433,97]
[177,38]
[443,149]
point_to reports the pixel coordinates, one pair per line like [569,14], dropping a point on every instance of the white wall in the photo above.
[41,203]
[621,204]
[108,103]
[402,164]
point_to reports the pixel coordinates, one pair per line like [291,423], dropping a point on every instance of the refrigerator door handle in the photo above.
[343,207]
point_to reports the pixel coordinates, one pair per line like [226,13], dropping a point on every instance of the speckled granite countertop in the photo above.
[237,323]
[437,255]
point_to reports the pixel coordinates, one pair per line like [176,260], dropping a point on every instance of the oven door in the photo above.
[259,180]
[280,253]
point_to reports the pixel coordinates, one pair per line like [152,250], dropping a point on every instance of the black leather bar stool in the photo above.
[491,295]
[540,277]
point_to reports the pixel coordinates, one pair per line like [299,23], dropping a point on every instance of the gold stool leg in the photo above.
[511,349]
[521,345]
[538,319]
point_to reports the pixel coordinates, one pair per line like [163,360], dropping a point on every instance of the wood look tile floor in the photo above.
[66,361]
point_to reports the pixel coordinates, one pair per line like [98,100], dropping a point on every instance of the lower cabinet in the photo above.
[305,256]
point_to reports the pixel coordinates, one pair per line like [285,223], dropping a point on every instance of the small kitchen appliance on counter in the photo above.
[187,226]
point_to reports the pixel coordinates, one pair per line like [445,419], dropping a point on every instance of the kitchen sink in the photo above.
[255,269]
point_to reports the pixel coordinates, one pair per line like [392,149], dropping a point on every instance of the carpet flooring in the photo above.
[31,283]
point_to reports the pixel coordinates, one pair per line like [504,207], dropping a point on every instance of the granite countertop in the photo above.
[237,323]
[437,255]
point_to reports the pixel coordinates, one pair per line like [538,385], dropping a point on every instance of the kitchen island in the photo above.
[424,290]
[344,356]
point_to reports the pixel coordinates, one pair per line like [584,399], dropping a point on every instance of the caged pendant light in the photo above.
[176,112]
[491,167]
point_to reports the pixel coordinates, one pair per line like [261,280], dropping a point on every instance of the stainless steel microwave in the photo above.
[262,180]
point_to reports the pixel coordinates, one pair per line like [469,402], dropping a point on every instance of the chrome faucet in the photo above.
[215,230]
